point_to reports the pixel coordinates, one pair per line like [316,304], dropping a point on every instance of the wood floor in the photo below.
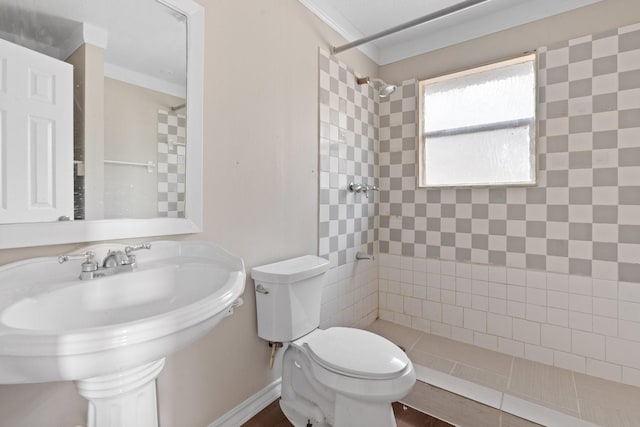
[272,416]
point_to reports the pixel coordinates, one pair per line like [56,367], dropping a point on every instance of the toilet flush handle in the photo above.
[260,289]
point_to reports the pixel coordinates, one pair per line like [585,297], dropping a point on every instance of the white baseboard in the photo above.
[250,407]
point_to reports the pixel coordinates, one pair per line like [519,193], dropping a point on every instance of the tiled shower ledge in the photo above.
[471,386]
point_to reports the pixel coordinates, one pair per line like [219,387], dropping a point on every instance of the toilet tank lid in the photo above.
[290,270]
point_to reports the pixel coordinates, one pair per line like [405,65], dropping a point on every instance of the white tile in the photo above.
[479,302]
[558,317]
[588,344]
[497,290]
[536,313]
[432,310]
[569,361]
[526,331]
[500,325]
[629,291]
[516,276]
[558,282]
[623,352]
[516,293]
[413,306]
[605,370]
[498,306]
[605,326]
[580,285]
[536,296]
[558,299]
[581,303]
[628,330]
[452,315]
[516,309]
[555,337]
[581,321]
[605,288]
[475,320]
[605,307]
[462,335]
[538,354]
[511,347]
[631,376]
[629,311]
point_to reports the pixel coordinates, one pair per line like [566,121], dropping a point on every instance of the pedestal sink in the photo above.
[111,334]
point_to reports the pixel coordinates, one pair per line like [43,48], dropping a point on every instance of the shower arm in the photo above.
[424,19]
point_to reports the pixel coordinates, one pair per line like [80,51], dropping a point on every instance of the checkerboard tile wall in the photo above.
[348,153]
[171,164]
[348,221]
[583,217]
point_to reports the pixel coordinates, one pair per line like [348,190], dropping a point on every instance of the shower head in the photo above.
[384,89]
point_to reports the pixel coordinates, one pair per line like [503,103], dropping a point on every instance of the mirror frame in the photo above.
[53,233]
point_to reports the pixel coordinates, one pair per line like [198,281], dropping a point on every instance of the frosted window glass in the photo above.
[478,126]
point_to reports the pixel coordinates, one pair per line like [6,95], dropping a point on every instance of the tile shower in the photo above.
[171,163]
[550,273]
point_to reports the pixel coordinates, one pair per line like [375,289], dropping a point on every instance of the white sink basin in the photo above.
[54,326]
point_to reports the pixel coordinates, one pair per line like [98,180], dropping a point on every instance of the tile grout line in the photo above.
[575,389]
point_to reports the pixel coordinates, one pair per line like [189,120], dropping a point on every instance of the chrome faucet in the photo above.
[115,262]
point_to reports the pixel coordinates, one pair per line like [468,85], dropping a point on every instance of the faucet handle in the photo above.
[141,246]
[89,257]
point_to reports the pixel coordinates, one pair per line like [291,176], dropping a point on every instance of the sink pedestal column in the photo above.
[123,399]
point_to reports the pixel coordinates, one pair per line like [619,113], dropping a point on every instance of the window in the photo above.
[477,127]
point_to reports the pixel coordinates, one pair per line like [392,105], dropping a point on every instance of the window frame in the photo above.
[508,124]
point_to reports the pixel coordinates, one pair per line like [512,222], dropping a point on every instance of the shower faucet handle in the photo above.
[366,188]
[355,188]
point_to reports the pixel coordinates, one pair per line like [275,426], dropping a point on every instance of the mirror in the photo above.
[121,157]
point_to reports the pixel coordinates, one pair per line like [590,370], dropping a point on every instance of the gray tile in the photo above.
[497,195]
[558,247]
[580,88]
[580,196]
[463,195]
[605,102]
[536,195]
[558,213]
[557,109]
[580,267]
[409,90]
[479,211]
[497,257]
[558,178]
[433,224]
[433,196]
[604,214]
[605,65]
[463,225]
[605,139]
[519,212]
[480,241]
[420,237]
[433,251]
[629,41]
[448,239]
[536,229]
[629,156]
[463,254]
[605,251]
[628,272]
[558,144]
[629,118]
[580,231]
[516,244]
[603,177]
[629,195]
[579,124]
[557,74]
[629,234]
[497,227]
[408,223]
[629,80]
[580,52]
[407,249]
[448,210]
[536,262]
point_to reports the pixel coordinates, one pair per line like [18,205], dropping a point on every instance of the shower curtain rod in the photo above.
[426,18]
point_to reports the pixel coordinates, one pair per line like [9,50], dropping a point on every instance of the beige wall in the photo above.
[261,191]
[602,16]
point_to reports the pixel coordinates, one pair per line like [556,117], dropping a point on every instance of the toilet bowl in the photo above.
[338,376]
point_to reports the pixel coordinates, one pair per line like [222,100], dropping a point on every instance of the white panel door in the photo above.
[36,136]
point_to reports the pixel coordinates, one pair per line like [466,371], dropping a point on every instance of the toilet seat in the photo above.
[356,353]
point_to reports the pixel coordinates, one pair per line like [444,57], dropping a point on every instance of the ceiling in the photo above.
[354,19]
[144,40]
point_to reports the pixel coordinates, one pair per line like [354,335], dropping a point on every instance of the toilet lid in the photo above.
[357,353]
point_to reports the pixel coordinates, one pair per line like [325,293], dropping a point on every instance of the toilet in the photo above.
[338,376]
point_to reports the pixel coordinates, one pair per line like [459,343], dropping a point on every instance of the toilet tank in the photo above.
[288,297]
